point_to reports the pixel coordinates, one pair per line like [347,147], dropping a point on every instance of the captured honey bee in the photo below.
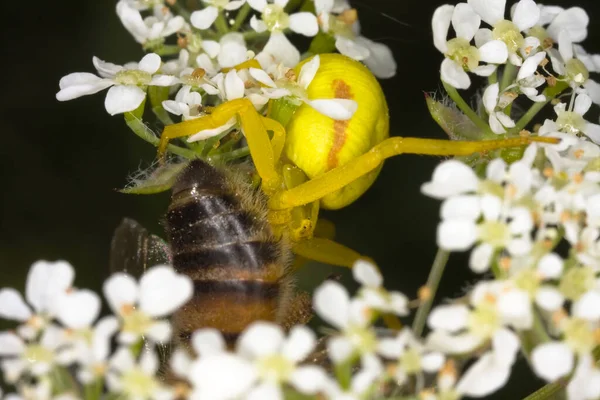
[218,234]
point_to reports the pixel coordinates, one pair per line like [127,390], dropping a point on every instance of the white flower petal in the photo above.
[549,298]
[461,207]
[550,266]
[81,84]
[265,391]
[491,11]
[10,344]
[262,77]
[45,281]
[203,19]
[162,291]
[585,383]
[282,50]
[454,75]
[583,102]
[452,344]
[587,306]
[12,306]
[526,15]
[574,20]
[456,234]
[150,63]
[440,24]
[163,80]
[78,309]
[515,308]
[530,65]
[304,23]
[257,24]
[120,290]
[494,51]
[208,341]
[339,349]
[367,274]
[234,85]
[481,258]
[309,379]
[351,48]
[159,332]
[380,59]
[450,318]
[332,304]
[490,97]
[338,109]
[552,360]
[300,342]
[484,377]
[258,5]
[222,376]
[484,70]
[233,50]
[465,21]
[106,69]
[123,98]
[260,339]
[450,178]
[308,71]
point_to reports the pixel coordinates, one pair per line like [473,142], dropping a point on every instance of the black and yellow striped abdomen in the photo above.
[220,238]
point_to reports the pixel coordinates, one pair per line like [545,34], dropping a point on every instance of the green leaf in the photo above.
[322,43]
[456,124]
[159,180]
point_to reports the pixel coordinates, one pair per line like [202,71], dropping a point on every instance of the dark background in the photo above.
[61,161]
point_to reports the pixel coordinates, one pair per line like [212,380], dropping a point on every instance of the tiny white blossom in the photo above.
[127,83]
[150,30]
[160,292]
[373,293]
[275,20]
[276,359]
[203,19]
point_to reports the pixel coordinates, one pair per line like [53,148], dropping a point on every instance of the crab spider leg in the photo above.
[278,140]
[254,129]
[326,251]
[339,177]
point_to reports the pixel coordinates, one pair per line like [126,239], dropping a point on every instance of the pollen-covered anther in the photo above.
[181,390]
[127,309]
[424,293]
[528,49]
[547,43]
[349,17]
[35,322]
[290,75]
[198,73]
[548,172]
[551,80]
[543,63]
[490,298]
[578,177]
[579,153]
[391,369]
[182,41]
[559,316]
[505,263]
[99,369]
[427,394]
[565,216]
[524,133]
[511,191]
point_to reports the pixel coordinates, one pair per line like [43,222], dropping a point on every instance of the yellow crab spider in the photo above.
[316,161]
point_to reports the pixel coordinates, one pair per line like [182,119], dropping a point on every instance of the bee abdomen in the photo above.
[229,306]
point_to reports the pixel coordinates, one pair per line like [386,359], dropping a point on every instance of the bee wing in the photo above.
[133,249]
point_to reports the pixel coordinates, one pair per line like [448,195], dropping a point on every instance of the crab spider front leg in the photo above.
[343,175]
[264,153]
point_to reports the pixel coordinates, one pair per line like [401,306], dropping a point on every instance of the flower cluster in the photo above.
[59,334]
[251,36]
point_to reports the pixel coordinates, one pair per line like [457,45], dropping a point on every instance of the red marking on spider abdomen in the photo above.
[341,90]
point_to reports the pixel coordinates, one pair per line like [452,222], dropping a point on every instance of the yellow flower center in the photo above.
[576,71]
[136,322]
[38,354]
[461,51]
[576,281]
[571,122]
[484,320]
[133,77]
[137,384]
[508,32]
[579,335]
[275,368]
[275,18]
[495,233]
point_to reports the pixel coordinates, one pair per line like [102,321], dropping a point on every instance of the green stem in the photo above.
[162,115]
[535,336]
[493,78]
[241,16]
[221,24]
[468,111]
[229,156]
[433,281]
[93,391]
[553,391]
[550,92]
[253,35]
[139,128]
[167,50]
[180,10]
[508,75]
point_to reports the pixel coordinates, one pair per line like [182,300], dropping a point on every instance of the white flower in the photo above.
[232,50]
[297,90]
[136,380]
[160,292]
[275,20]
[459,329]
[373,293]
[151,30]
[203,19]
[412,357]
[186,103]
[46,282]
[221,375]
[528,80]
[498,120]
[35,357]
[585,383]
[276,359]
[128,83]
[572,121]
[345,29]
[460,55]
[361,384]
[351,317]
[92,357]
[525,15]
